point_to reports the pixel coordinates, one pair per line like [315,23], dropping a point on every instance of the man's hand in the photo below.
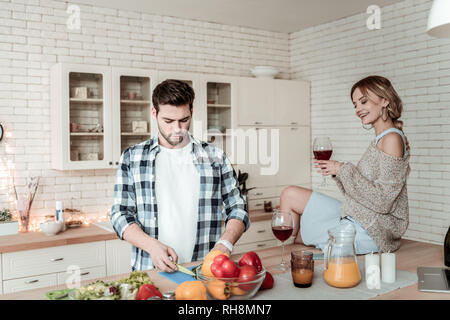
[222,248]
[163,257]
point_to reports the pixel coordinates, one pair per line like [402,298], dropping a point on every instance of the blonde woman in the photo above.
[375,193]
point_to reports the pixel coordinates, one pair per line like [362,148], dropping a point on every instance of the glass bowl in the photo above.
[230,288]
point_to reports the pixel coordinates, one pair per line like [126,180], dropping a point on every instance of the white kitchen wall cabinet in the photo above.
[256,102]
[292,102]
[132,103]
[273,102]
[81,117]
[118,257]
[194,81]
[219,110]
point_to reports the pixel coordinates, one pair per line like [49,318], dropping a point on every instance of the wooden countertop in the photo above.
[38,240]
[411,255]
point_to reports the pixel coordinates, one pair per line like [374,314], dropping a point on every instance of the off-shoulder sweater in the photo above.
[375,195]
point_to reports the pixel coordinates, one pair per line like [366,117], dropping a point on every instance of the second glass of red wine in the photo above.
[322,150]
[282,227]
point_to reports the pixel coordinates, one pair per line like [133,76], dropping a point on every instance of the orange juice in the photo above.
[343,273]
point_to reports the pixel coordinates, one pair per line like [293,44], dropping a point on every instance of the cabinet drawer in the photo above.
[29,283]
[260,193]
[85,274]
[258,231]
[258,204]
[255,246]
[52,260]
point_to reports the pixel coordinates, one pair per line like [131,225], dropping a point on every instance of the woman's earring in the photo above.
[382,113]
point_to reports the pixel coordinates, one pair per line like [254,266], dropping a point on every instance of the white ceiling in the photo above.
[274,15]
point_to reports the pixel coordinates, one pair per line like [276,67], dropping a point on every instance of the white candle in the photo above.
[388,268]
[372,265]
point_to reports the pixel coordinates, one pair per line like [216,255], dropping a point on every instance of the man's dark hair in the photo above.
[173,92]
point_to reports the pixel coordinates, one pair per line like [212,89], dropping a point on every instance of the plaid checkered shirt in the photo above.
[135,197]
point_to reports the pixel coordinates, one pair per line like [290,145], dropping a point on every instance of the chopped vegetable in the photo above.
[123,289]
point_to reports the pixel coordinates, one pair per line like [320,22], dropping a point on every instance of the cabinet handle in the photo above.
[31,281]
[257,122]
[56,259]
[117,163]
[259,245]
[261,231]
[110,163]
[84,273]
[294,122]
[258,205]
[258,194]
[294,128]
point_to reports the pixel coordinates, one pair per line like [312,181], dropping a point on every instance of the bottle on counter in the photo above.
[447,248]
[60,214]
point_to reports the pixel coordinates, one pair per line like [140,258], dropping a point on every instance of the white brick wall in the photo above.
[34,36]
[335,55]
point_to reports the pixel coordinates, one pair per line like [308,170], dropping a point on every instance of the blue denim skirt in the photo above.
[322,213]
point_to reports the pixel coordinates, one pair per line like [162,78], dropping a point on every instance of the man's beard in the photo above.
[182,133]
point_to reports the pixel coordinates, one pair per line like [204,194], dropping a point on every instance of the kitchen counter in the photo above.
[411,255]
[38,240]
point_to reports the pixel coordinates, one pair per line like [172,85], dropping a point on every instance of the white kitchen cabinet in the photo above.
[97,112]
[273,102]
[36,262]
[81,117]
[292,102]
[219,110]
[256,102]
[132,103]
[84,274]
[285,160]
[28,283]
[259,235]
[118,257]
[295,156]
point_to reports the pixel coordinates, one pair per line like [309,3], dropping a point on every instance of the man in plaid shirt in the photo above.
[173,191]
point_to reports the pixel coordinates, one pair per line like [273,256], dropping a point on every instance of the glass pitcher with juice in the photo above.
[341,267]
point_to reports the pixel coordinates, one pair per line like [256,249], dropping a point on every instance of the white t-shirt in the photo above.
[177,184]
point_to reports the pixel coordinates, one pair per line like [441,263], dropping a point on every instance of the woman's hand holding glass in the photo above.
[328,167]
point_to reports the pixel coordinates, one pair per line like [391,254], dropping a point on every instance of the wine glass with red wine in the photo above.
[282,227]
[322,150]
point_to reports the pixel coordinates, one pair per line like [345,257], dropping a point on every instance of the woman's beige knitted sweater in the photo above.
[376,195]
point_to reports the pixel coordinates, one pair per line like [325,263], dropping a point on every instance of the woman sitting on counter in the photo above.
[375,192]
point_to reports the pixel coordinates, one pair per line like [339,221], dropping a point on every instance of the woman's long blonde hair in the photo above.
[383,88]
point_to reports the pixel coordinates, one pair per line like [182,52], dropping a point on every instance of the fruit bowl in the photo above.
[230,288]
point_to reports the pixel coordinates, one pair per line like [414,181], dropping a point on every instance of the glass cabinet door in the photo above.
[135,110]
[86,116]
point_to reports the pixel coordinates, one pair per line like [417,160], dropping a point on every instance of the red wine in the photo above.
[323,154]
[447,248]
[282,232]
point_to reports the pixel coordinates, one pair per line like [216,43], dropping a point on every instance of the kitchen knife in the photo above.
[185,270]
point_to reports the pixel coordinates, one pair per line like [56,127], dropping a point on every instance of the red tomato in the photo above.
[246,274]
[146,291]
[268,282]
[251,259]
[230,268]
[224,267]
